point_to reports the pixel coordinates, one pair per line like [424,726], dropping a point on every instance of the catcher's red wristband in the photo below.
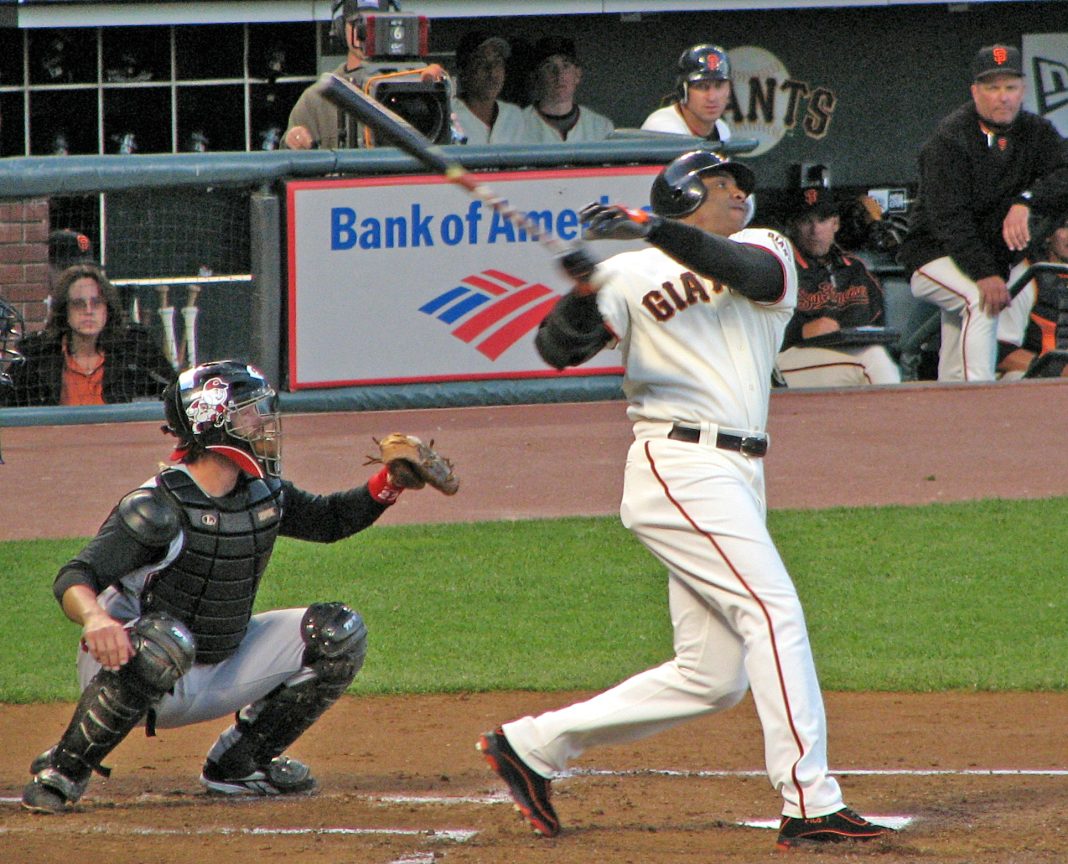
[382,490]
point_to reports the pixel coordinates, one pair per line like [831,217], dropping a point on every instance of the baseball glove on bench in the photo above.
[413,464]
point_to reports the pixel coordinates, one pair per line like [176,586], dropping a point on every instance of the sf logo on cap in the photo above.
[811,196]
[1000,55]
[712,62]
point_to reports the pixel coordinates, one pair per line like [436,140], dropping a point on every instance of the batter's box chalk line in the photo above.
[446,835]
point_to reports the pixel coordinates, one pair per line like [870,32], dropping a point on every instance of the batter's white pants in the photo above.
[969,335]
[838,367]
[737,624]
[270,654]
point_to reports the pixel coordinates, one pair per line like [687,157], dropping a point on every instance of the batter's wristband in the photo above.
[382,490]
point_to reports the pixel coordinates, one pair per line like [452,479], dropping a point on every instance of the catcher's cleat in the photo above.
[51,792]
[530,791]
[281,776]
[841,825]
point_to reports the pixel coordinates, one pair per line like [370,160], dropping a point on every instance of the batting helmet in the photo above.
[227,407]
[678,189]
[702,63]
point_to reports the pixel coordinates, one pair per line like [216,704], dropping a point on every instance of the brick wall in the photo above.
[24,258]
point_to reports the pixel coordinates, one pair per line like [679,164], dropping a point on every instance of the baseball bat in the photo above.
[189,316]
[166,314]
[406,137]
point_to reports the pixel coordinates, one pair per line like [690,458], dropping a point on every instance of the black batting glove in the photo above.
[612,222]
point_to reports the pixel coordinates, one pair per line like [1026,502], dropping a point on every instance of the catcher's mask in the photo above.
[701,63]
[678,189]
[228,408]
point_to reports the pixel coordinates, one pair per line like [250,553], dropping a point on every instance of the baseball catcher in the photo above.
[164,596]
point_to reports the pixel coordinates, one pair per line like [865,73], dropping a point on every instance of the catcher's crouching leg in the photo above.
[247,759]
[112,705]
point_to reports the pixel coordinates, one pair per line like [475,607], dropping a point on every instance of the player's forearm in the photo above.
[80,605]
[748,270]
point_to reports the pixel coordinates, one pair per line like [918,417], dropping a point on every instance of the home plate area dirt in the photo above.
[980,778]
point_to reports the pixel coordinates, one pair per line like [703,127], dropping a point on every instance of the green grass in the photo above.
[928,598]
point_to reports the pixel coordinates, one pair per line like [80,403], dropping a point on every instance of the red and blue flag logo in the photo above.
[492,310]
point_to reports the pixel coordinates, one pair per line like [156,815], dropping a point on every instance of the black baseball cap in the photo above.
[996,60]
[817,200]
[550,46]
[473,41]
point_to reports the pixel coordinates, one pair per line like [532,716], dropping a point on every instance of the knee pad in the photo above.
[335,639]
[164,651]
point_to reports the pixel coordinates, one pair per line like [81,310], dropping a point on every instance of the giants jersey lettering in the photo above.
[694,349]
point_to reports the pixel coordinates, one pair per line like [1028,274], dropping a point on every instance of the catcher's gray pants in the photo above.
[270,654]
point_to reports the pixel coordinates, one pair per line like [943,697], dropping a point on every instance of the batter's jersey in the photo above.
[670,119]
[693,349]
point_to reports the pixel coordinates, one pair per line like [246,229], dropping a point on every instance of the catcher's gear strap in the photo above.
[336,640]
[572,332]
[148,518]
[750,271]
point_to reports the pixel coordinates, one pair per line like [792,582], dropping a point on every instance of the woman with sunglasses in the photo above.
[87,354]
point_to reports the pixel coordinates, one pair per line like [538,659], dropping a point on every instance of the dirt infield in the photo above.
[983,777]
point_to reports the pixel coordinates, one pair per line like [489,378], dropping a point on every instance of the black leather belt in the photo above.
[750,445]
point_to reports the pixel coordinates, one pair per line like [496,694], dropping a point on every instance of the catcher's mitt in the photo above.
[413,464]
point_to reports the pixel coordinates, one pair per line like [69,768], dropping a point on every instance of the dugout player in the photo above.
[836,293]
[702,94]
[699,317]
[988,167]
[164,596]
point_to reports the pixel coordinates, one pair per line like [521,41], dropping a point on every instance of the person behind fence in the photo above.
[317,123]
[164,597]
[699,315]
[702,93]
[87,353]
[1039,325]
[480,114]
[989,167]
[554,115]
[836,294]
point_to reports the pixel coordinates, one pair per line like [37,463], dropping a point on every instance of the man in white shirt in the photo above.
[480,115]
[702,94]
[554,116]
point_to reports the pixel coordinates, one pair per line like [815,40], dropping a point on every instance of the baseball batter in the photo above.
[699,318]
[164,595]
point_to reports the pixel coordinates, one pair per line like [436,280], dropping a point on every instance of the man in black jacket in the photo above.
[988,167]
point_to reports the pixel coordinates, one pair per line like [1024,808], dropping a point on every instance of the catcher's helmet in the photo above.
[702,63]
[229,408]
[678,189]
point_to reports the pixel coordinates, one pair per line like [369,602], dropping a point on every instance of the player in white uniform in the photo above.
[699,319]
[554,115]
[702,94]
[477,112]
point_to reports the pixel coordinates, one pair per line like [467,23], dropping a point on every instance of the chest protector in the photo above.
[212,583]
